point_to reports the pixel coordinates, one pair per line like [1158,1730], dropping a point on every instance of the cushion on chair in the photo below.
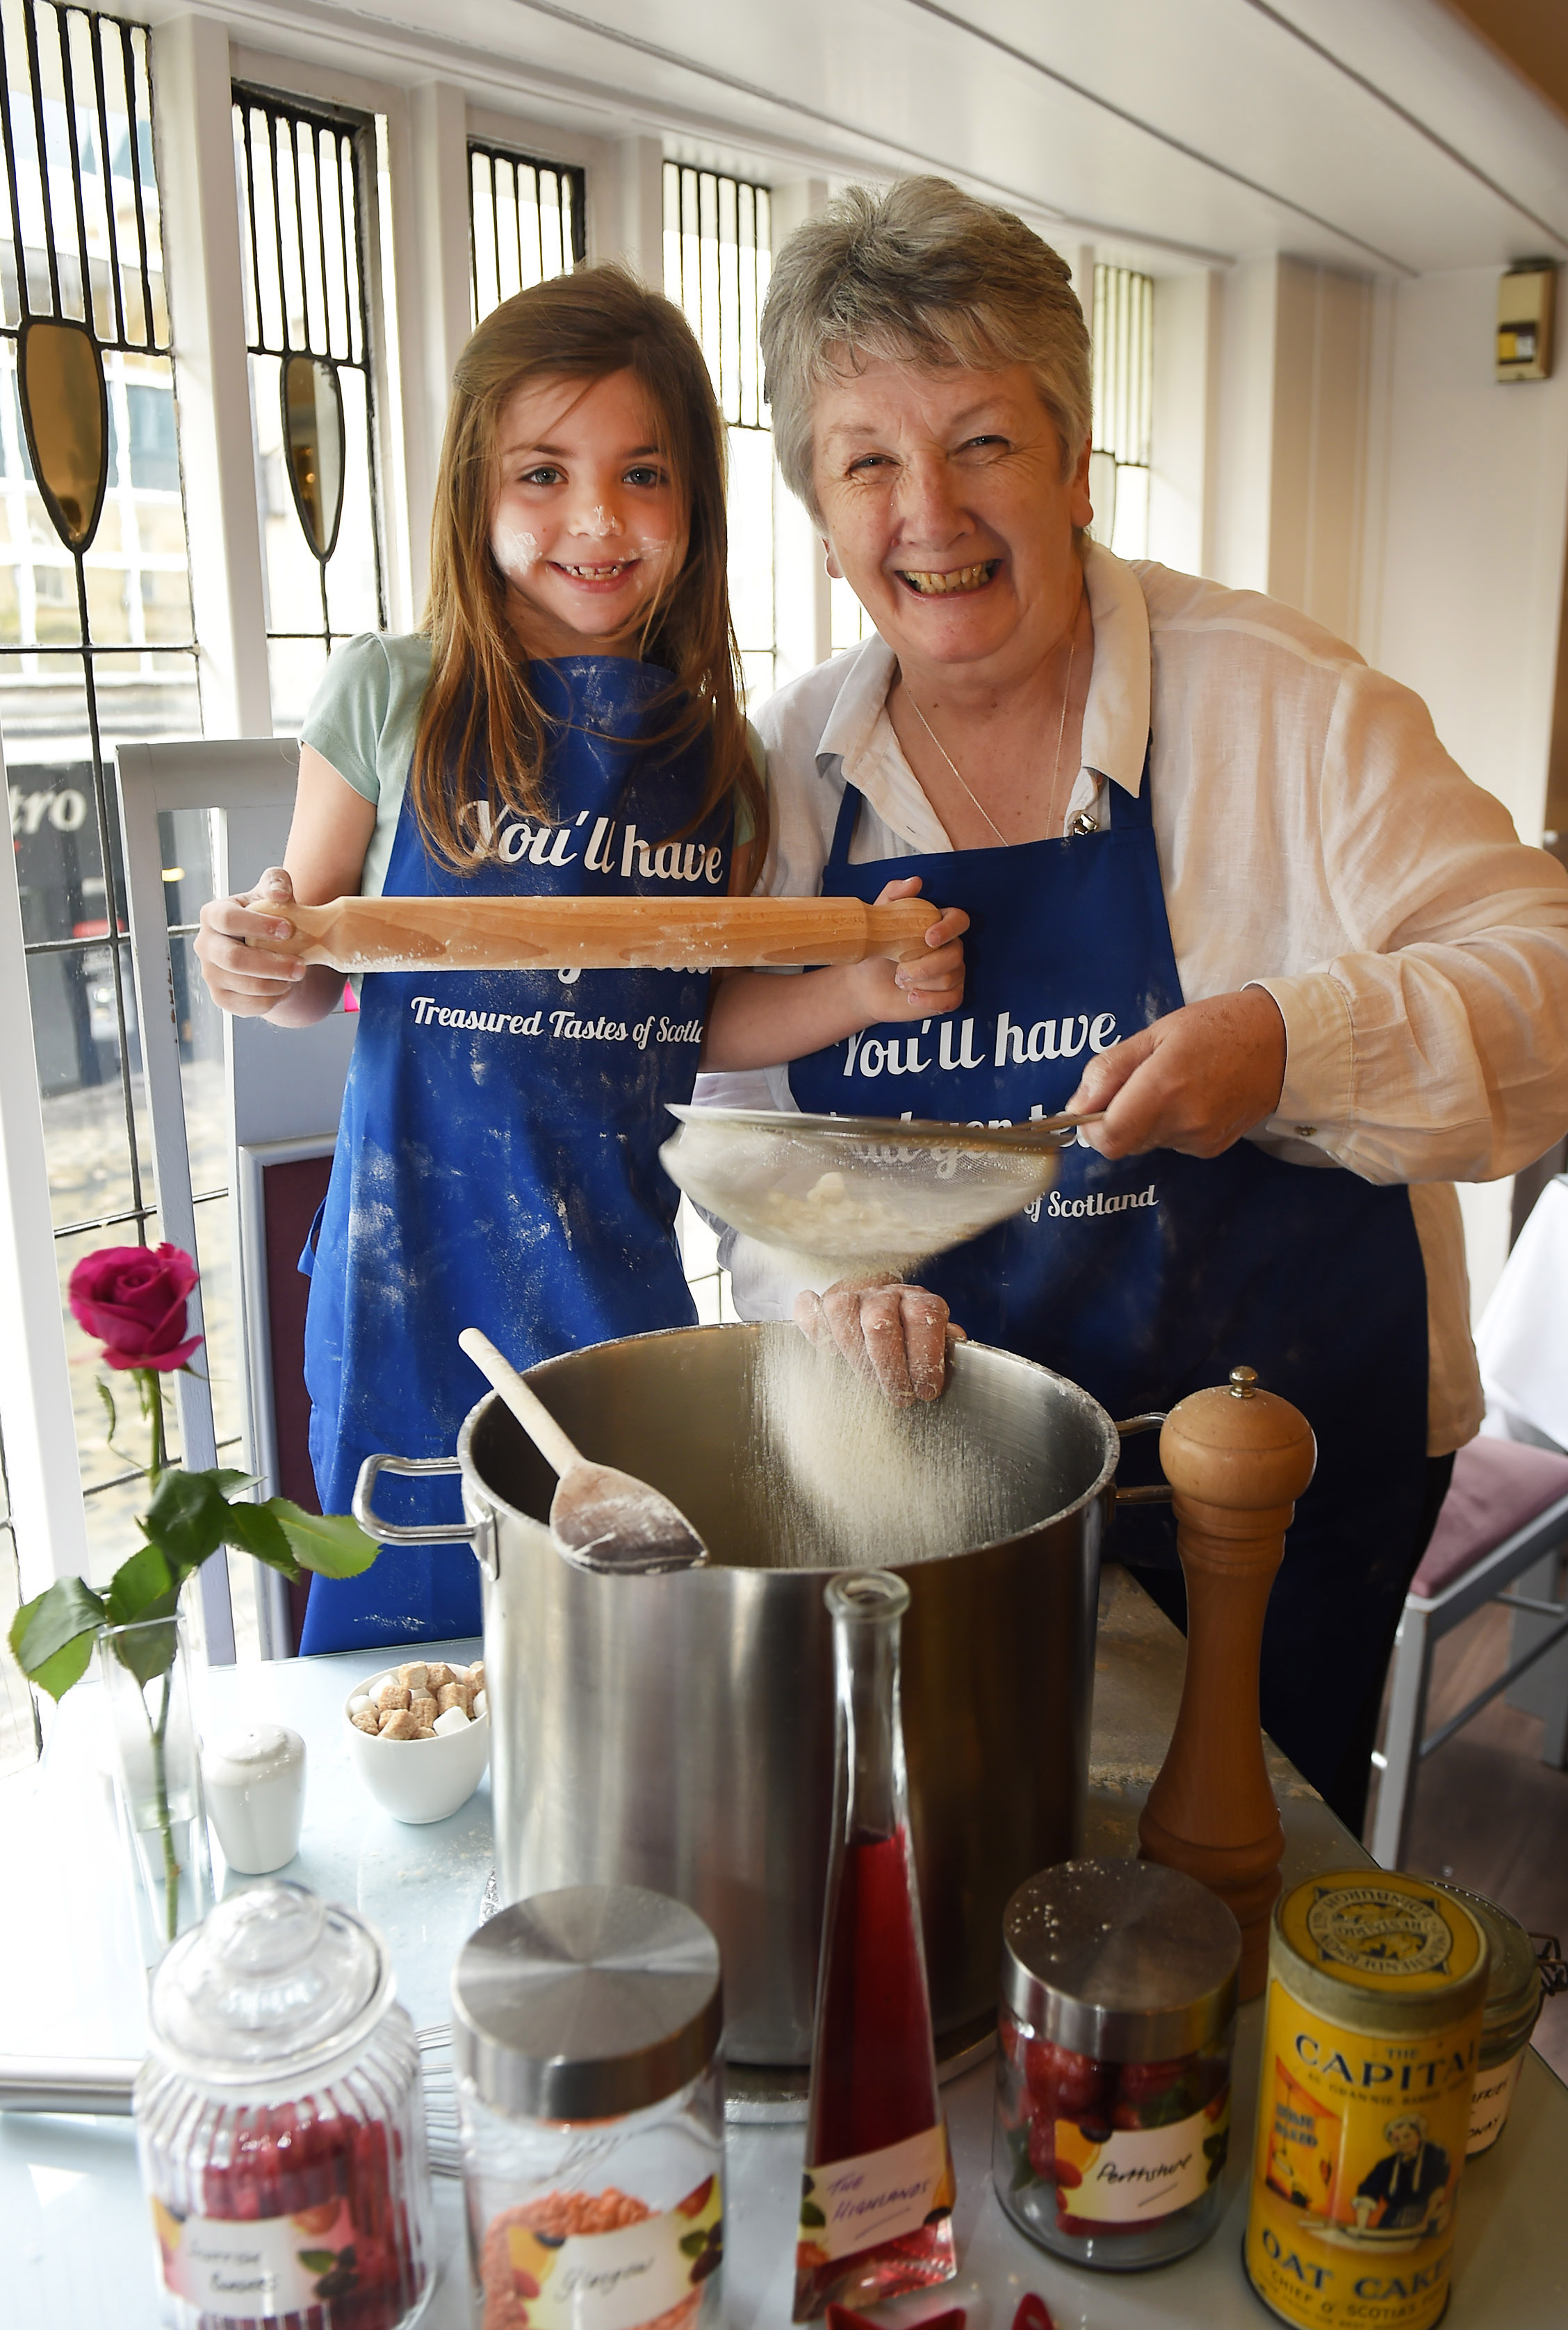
[1499,1485]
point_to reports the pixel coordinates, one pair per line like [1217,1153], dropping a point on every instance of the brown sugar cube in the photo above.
[390,1696]
[437,1673]
[399,1724]
[424,1706]
[477,1674]
[367,1719]
[424,1732]
[416,1674]
[454,1694]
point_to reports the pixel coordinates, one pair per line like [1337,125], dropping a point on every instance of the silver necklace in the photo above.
[1061,731]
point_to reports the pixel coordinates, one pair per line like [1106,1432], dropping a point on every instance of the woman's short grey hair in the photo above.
[926,273]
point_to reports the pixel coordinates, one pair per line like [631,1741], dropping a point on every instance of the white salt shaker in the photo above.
[255,1784]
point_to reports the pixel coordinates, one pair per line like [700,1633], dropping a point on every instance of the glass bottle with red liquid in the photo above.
[877,2205]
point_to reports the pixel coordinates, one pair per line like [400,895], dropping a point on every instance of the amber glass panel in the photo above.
[312,437]
[65,409]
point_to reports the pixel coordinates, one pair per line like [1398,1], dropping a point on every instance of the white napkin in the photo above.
[1522,1340]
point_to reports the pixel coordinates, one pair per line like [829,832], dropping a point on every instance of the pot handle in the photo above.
[1160,1492]
[479,1536]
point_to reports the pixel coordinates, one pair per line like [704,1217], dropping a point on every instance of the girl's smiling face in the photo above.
[588,524]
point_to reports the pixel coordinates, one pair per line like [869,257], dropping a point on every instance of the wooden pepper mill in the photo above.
[1237,1458]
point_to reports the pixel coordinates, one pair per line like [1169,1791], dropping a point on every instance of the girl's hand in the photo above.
[921,988]
[242,974]
[896,1333]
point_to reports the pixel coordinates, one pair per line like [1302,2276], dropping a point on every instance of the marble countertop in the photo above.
[73,2229]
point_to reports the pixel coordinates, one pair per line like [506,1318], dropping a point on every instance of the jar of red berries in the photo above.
[1113,2095]
[280,2125]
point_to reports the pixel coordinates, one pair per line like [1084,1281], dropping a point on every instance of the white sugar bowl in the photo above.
[417,1780]
[255,1787]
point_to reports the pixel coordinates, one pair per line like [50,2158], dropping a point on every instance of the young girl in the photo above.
[566,723]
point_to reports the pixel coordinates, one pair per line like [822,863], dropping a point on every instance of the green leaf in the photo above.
[227,1480]
[149,1652]
[693,2244]
[52,1636]
[258,1531]
[188,1518]
[317,2260]
[332,1544]
[811,2215]
[145,1586]
[107,1396]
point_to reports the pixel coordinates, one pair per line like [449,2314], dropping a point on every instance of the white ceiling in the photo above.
[1381,134]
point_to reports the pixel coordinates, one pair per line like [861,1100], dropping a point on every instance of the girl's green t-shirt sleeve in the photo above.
[348,714]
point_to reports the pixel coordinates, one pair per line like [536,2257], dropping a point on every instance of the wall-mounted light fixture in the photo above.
[1526,296]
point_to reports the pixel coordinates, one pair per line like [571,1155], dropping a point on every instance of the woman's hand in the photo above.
[896,1333]
[1196,1081]
[919,988]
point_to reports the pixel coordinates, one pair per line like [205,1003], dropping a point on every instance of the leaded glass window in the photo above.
[303,226]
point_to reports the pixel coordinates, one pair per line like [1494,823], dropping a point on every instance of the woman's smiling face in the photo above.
[946,511]
[588,523]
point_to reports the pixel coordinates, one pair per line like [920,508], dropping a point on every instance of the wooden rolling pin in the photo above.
[598,934]
[1237,1458]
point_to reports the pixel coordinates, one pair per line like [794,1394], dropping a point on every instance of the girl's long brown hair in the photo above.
[579,327]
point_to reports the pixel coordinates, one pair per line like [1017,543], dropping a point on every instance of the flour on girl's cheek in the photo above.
[517,553]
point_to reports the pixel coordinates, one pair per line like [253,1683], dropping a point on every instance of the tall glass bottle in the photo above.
[876,2206]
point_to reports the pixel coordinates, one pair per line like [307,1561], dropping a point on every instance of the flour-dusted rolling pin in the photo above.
[598,934]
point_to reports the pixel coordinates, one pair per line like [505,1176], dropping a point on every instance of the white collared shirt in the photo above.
[1315,840]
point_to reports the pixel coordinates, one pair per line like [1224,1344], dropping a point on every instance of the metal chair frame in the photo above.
[1426,1619]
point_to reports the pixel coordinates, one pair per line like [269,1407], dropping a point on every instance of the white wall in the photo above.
[1464,570]
[1474,512]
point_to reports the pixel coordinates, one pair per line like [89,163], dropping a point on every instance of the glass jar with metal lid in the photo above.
[281,2124]
[586,2029]
[1113,2092]
[1371,2034]
[1507,2018]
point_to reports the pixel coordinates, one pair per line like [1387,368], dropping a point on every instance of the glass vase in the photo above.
[158,1774]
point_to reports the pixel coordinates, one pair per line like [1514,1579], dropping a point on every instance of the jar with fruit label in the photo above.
[280,2125]
[586,2029]
[1507,2019]
[1113,2092]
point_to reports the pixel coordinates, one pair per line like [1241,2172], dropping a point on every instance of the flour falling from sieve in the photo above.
[851,1482]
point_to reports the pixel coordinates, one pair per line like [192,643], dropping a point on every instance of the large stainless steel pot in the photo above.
[678,1732]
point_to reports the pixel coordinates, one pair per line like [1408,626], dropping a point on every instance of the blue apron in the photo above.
[1152,1277]
[496,1163]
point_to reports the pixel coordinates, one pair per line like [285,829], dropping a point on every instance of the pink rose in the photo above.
[132,1298]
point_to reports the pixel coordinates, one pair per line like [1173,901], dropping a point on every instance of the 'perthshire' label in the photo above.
[850,2205]
[1137,2174]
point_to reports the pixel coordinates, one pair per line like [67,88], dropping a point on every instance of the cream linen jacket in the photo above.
[1314,838]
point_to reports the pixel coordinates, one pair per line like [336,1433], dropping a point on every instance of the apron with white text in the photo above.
[496,1163]
[1152,1277]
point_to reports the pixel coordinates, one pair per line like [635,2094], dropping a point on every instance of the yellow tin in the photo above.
[1376,1986]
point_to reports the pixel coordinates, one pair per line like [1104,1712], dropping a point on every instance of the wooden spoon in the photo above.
[600,1519]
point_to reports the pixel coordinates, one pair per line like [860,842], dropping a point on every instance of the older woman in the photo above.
[1224,884]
